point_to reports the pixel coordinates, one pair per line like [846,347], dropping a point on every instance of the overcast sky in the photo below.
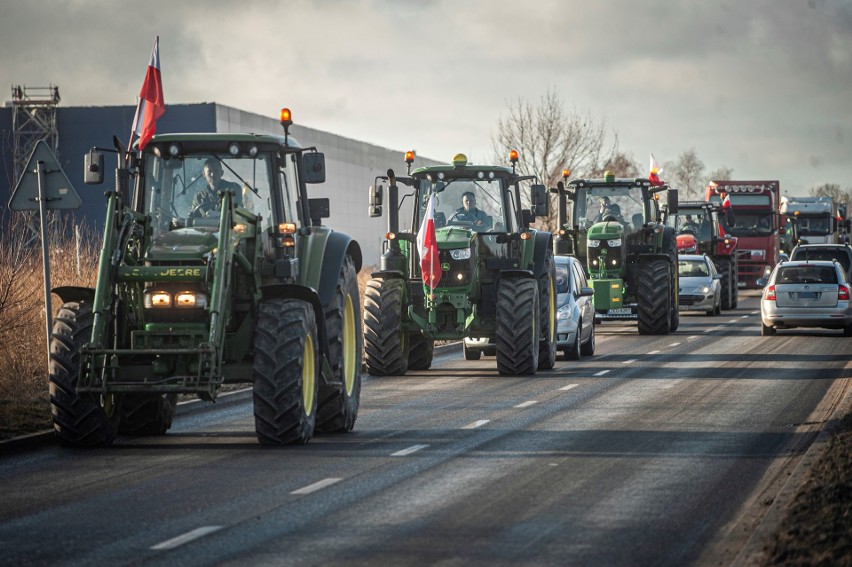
[763,87]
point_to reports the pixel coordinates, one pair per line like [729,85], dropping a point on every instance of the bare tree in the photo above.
[686,174]
[722,173]
[621,164]
[834,191]
[550,139]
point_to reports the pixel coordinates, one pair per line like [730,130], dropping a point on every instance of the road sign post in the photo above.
[44,186]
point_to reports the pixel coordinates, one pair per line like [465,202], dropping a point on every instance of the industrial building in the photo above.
[351,165]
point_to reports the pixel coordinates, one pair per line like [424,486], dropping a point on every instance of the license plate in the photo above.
[741,284]
[619,311]
[807,295]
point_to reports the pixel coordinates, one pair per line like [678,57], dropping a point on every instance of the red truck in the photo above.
[758,225]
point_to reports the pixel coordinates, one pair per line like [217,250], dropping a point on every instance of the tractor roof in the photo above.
[225,138]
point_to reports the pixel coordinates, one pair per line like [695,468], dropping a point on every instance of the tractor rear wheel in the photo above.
[79,419]
[724,268]
[735,287]
[420,352]
[338,403]
[653,298]
[385,345]
[285,372]
[147,414]
[518,324]
[547,305]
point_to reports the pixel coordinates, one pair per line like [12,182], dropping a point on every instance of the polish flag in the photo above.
[726,201]
[656,170]
[151,105]
[427,243]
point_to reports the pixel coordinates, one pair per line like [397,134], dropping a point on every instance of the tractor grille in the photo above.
[455,273]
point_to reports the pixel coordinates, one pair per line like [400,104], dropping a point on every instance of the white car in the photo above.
[699,287]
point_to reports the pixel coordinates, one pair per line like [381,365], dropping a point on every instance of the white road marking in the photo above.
[569,386]
[744,317]
[316,486]
[674,344]
[692,338]
[477,423]
[412,449]
[732,321]
[601,373]
[186,538]
[654,352]
[755,313]
[631,361]
[526,404]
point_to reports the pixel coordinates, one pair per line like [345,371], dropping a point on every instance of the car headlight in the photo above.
[460,254]
[704,289]
[563,313]
[594,243]
[614,243]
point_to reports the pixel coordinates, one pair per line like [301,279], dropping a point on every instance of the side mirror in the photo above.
[319,209]
[376,200]
[671,201]
[314,167]
[539,200]
[93,168]
[587,292]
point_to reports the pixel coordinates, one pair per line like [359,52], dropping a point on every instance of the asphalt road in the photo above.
[657,450]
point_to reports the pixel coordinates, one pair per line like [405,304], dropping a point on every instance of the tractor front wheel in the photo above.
[420,352]
[518,324]
[147,414]
[653,298]
[547,305]
[385,345]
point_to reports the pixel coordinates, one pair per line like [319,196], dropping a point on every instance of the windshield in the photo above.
[477,205]
[814,226]
[622,204]
[692,269]
[691,221]
[752,225]
[185,192]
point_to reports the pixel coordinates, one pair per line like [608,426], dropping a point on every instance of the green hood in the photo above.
[182,244]
[451,237]
[606,230]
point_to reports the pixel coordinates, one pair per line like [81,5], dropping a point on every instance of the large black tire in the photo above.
[471,353]
[723,266]
[547,307]
[674,319]
[147,414]
[588,348]
[518,324]
[286,371]
[766,331]
[735,288]
[653,298]
[420,352]
[80,420]
[385,345]
[338,403]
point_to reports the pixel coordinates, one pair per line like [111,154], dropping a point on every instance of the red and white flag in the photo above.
[656,170]
[151,105]
[427,244]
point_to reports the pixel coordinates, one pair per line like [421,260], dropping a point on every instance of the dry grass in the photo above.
[24,404]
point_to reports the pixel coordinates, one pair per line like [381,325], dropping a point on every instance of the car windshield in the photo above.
[562,279]
[692,268]
[622,204]
[822,254]
[474,204]
[806,274]
[181,192]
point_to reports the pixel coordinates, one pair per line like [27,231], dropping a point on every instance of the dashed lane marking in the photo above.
[654,352]
[744,317]
[692,337]
[316,486]
[568,387]
[405,452]
[732,321]
[186,538]
[526,404]
[477,423]
[601,373]
[674,344]
[631,361]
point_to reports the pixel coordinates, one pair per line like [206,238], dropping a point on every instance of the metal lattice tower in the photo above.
[33,120]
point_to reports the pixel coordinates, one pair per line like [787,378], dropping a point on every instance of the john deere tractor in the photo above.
[482,274]
[214,270]
[618,231]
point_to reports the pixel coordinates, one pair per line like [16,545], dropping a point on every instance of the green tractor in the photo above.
[619,234]
[488,278]
[204,282]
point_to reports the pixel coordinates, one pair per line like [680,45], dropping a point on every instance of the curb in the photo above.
[754,550]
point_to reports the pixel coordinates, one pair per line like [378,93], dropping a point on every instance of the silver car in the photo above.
[806,294]
[575,310]
[699,287]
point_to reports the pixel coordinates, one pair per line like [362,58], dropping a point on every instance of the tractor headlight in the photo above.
[158,299]
[460,254]
[615,243]
[594,243]
[190,299]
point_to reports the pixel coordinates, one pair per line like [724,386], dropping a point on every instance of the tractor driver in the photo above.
[689,226]
[469,213]
[206,201]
